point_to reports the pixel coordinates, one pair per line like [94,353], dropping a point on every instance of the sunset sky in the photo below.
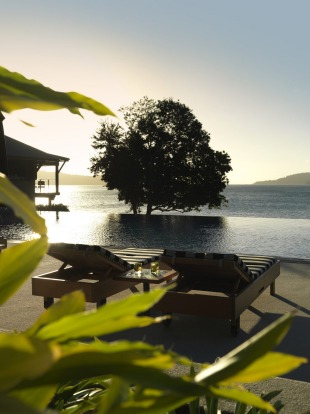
[242,66]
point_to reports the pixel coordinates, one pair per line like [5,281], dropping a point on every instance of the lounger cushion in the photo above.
[96,258]
[251,266]
[133,255]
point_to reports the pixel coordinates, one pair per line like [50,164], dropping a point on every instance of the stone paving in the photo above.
[203,339]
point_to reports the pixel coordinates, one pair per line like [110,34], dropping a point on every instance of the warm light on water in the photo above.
[271,221]
[217,234]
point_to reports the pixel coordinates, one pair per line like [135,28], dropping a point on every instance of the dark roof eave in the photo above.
[18,150]
[45,160]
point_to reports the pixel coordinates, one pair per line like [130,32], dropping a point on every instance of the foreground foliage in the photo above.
[18,92]
[162,159]
[50,365]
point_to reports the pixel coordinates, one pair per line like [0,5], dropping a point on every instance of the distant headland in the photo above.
[71,179]
[295,179]
[74,179]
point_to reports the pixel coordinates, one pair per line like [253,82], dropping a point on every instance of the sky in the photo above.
[241,66]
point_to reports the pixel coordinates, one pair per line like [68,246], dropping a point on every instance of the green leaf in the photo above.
[10,405]
[18,92]
[27,123]
[37,398]
[113,317]
[137,363]
[22,206]
[23,358]
[272,364]
[82,395]
[118,392]
[150,402]
[68,305]
[240,408]
[17,263]
[76,326]
[242,396]
[249,351]
[212,404]
[271,395]
[138,353]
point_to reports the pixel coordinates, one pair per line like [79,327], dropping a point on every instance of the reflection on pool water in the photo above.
[279,237]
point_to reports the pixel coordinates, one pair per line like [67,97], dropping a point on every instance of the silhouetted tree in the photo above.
[162,159]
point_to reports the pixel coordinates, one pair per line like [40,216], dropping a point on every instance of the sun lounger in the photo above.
[217,285]
[90,269]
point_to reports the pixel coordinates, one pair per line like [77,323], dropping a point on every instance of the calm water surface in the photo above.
[271,220]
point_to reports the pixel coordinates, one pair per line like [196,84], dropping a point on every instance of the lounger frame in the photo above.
[96,286]
[90,269]
[219,298]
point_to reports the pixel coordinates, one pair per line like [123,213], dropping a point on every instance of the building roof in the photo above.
[18,150]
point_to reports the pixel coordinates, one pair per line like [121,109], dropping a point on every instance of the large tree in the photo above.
[161,159]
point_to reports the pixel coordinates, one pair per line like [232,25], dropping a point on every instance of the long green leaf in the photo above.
[150,402]
[18,92]
[113,317]
[22,206]
[24,358]
[137,363]
[249,351]
[137,353]
[273,364]
[212,404]
[37,398]
[79,397]
[117,393]
[68,305]
[77,327]
[242,396]
[17,263]
[77,367]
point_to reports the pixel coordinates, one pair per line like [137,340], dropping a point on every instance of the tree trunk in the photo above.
[149,209]
[3,155]
[134,209]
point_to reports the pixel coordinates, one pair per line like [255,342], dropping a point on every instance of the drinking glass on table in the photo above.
[138,269]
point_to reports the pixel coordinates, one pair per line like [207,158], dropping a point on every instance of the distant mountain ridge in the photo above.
[295,179]
[70,179]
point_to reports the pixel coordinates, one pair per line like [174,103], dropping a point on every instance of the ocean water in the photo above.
[272,220]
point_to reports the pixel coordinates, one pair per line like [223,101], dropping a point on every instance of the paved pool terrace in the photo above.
[202,339]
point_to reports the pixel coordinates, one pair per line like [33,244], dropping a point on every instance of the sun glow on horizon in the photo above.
[238,67]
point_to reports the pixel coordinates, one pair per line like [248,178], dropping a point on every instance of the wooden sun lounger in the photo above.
[90,269]
[217,285]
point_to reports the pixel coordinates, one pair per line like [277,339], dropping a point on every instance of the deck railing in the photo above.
[45,186]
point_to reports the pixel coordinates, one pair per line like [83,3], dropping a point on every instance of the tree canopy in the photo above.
[161,159]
